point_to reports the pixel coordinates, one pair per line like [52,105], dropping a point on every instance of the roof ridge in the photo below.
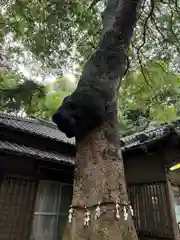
[31,119]
[31,151]
[150,132]
[39,125]
[35,126]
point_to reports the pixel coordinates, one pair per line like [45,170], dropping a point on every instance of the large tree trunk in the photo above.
[99,177]
[99,173]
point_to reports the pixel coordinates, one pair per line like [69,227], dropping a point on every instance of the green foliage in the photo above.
[50,28]
[16,95]
[149,94]
[61,34]
[45,106]
[30,97]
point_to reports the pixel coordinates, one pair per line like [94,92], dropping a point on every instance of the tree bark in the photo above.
[99,173]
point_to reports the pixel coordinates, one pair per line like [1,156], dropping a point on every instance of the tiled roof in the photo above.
[149,135]
[49,130]
[32,152]
[34,126]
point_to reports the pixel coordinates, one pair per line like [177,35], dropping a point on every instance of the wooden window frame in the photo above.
[57,213]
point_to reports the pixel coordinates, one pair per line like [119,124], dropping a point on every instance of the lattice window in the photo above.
[51,210]
[149,202]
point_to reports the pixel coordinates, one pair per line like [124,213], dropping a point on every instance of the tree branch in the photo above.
[145,26]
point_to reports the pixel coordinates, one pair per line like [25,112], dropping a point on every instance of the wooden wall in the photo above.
[145,168]
[19,179]
[35,168]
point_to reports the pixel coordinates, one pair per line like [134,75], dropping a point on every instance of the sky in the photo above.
[70,76]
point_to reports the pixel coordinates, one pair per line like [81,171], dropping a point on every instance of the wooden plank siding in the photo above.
[150,205]
[17,196]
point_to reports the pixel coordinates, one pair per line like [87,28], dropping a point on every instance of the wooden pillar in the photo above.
[172,209]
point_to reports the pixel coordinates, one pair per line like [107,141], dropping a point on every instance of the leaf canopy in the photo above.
[51,37]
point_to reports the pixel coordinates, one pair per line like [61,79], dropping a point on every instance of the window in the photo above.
[150,207]
[51,210]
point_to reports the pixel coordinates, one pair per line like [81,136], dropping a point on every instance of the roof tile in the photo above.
[35,126]
[28,151]
[49,130]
